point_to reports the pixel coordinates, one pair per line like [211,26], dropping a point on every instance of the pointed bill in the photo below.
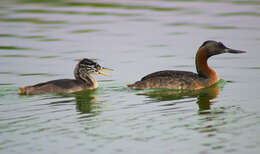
[228,50]
[106,69]
[103,73]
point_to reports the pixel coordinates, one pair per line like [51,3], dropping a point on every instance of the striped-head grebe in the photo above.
[83,80]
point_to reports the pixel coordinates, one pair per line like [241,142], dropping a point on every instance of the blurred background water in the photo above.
[42,40]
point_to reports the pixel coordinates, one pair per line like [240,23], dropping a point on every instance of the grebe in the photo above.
[83,80]
[171,79]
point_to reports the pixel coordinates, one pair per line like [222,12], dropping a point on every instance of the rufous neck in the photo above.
[202,65]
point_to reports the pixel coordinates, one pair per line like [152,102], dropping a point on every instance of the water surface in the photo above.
[42,40]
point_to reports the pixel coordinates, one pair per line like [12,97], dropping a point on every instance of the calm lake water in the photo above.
[42,40]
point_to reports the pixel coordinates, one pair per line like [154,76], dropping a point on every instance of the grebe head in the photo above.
[214,48]
[87,66]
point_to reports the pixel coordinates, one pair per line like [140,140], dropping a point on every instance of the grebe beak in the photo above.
[228,50]
[106,69]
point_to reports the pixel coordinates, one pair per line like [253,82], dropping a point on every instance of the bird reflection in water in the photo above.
[204,96]
[85,101]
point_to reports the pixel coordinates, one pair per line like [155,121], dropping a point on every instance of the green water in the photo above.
[42,40]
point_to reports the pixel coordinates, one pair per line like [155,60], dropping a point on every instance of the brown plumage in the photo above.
[83,80]
[171,79]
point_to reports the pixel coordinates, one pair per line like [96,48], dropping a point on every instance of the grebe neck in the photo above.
[86,78]
[202,66]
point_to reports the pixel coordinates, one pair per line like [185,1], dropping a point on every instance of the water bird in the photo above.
[184,80]
[83,80]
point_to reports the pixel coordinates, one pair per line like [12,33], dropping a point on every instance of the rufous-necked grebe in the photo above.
[83,80]
[171,79]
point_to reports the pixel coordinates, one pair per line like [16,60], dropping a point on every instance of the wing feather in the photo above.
[171,74]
